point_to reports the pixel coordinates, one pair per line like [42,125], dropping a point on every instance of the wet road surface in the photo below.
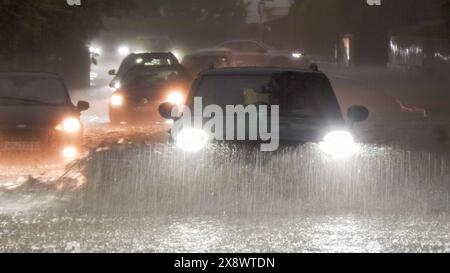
[132,192]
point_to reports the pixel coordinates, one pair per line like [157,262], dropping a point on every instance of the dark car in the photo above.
[141,59]
[144,88]
[36,112]
[256,53]
[308,108]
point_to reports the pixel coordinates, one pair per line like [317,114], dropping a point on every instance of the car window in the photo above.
[146,60]
[298,94]
[145,78]
[46,90]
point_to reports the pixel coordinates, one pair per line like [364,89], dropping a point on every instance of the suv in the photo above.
[36,112]
[308,108]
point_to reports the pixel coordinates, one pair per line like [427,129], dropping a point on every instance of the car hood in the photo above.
[34,116]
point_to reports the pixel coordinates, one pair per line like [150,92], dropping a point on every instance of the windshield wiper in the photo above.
[25,100]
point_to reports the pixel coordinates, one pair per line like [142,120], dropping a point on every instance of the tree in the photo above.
[321,22]
[48,26]
[190,21]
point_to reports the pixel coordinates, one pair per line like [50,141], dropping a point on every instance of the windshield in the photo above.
[298,94]
[147,78]
[146,60]
[18,89]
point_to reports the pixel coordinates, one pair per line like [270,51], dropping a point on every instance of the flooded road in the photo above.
[132,199]
[316,233]
[134,193]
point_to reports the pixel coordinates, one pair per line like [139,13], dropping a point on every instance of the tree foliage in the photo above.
[48,26]
[322,21]
[191,21]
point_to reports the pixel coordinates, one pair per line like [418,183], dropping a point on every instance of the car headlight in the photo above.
[339,144]
[70,152]
[297,55]
[192,140]
[69,125]
[115,86]
[116,100]
[175,97]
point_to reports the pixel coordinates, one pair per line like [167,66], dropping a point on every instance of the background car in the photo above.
[144,88]
[36,112]
[255,53]
[206,58]
[139,59]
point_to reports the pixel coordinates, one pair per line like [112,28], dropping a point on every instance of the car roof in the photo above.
[239,41]
[30,74]
[152,54]
[216,50]
[209,54]
[255,71]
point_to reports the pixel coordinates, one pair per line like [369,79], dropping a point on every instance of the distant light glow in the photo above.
[339,144]
[175,97]
[297,55]
[93,75]
[123,50]
[95,50]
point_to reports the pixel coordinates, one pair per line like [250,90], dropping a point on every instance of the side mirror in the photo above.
[83,106]
[166,109]
[358,114]
[112,72]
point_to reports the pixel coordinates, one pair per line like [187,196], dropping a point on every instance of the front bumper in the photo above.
[44,142]
[134,112]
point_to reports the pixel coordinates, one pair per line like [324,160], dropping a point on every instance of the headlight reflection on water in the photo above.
[192,140]
[339,144]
